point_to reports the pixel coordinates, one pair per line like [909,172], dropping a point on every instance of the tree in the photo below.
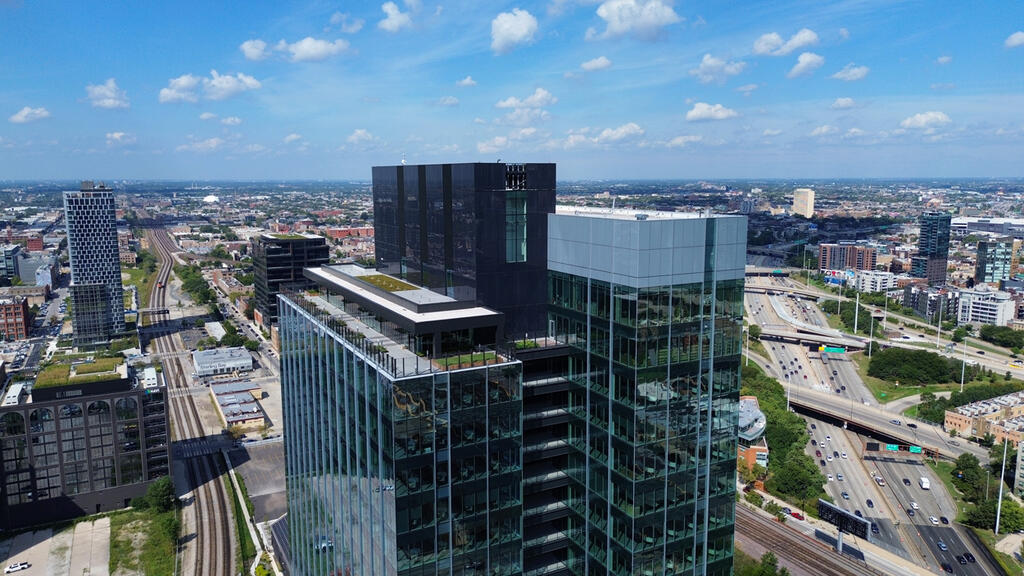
[1011,517]
[798,476]
[969,478]
[995,461]
[160,494]
[755,331]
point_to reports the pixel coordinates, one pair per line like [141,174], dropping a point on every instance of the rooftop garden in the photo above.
[387,283]
[60,374]
[288,236]
[98,365]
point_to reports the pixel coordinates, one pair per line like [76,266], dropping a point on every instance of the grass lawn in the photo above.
[143,541]
[1005,561]
[99,365]
[885,391]
[387,282]
[142,281]
[458,359]
[943,471]
[246,548]
[757,347]
[55,375]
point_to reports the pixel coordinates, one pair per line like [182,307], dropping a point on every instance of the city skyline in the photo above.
[613,89]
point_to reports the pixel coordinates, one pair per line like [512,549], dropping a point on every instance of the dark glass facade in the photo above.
[471,231]
[278,259]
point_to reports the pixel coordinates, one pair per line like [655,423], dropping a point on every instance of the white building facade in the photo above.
[874,281]
[984,305]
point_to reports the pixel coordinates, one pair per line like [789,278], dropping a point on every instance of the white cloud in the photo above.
[853,133]
[805,64]
[925,120]
[292,138]
[448,101]
[851,72]
[493,145]
[842,103]
[28,114]
[772,44]
[510,29]
[599,63]
[771,132]
[824,130]
[538,99]
[255,49]
[202,146]
[467,81]
[1015,39]
[185,88]
[746,89]
[704,111]
[640,18]
[681,141]
[207,116]
[311,49]
[347,24]
[254,148]
[360,136]
[119,139]
[621,133]
[218,87]
[844,33]
[106,95]
[713,69]
[231,121]
[395,19]
[943,60]
[524,116]
[180,89]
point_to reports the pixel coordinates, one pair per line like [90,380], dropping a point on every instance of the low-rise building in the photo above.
[221,361]
[1002,417]
[752,448]
[985,305]
[15,322]
[874,281]
[238,405]
[81,439]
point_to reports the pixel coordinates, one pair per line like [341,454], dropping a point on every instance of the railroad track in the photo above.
[797,548]
[214,522]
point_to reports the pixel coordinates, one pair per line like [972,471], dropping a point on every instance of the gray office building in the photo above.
[97,296]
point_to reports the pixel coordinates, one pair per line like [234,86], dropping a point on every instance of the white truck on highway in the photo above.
[925,483]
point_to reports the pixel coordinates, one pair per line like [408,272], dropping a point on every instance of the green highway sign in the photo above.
[915,449]
[776,271]
[892,447]
[835,349]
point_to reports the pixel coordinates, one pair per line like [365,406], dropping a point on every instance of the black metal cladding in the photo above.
[443,226]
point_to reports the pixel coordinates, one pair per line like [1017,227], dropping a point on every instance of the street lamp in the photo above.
[963,367]
[748,346]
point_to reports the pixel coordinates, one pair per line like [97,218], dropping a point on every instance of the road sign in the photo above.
[892,447]
[844,520]
[835,349]
[915,449]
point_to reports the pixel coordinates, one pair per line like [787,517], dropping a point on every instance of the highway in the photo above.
[212,551]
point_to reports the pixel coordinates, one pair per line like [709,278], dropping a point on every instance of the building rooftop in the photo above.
[632,214]
[992,405]
[221,354]
[752,421]
[290,236]
[231,388]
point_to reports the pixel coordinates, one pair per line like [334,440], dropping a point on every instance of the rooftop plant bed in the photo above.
[387,283]
[99,365]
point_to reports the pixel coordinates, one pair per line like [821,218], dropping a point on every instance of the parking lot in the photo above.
[81,549]
[262,467]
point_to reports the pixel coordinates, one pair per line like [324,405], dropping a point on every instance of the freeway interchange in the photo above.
[844,419]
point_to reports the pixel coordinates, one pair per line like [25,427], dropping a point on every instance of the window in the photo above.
[515,226]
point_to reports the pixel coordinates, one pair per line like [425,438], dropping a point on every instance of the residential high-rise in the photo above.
[932,256]
[803,202]
[844,256]
[278,259]
[97,296]
[474,232]
[10,254]
[419,441]
[993,263]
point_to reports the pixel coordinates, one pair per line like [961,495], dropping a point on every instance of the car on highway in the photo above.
[817,453]
[954,443]
[911,425]
[947,568]
[797,515]
[828,438]
[933,520]
[942,546]
[829,457]
[829,477]
[895,421]
[943,519]
[960,558]
[835,453]
[869,503]
[913,504]
[843,455]
[822,462]
[813,427]
[845,495]
[970,557]
[839,476]
[16,567]
[906,481]
[835,372]
[982,352]
[910,512]
[822,444]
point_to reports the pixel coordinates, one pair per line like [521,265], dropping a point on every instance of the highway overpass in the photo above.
[877,423]
[808,337]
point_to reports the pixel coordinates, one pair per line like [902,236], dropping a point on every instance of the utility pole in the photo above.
[963,367]
[999,505]
[748,347]
[938,333]
[856,313]
[871,334]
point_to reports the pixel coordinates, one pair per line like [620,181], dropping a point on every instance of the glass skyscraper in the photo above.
[97,295]
[421,439]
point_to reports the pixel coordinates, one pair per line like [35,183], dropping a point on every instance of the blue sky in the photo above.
[606,89]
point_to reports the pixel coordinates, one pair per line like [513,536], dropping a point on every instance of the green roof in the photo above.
[60,374]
